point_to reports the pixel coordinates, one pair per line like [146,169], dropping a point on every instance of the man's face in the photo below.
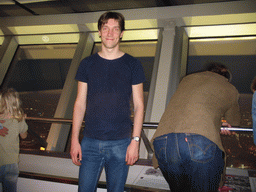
[110,34]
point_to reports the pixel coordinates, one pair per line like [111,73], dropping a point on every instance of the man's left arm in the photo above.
[132,154]
[232,117]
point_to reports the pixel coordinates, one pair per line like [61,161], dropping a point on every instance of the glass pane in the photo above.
[38,73]
[239,56]
[1,39]
[240,150]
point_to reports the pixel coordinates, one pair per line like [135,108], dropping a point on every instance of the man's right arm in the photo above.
[233,115]
[78,116]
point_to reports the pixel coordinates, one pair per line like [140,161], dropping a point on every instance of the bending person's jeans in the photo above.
[97,154]
[189,162]
[8,177]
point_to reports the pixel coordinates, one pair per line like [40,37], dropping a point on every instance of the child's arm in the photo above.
[24,135]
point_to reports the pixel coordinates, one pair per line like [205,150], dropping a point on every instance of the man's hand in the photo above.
[226,131]
[4,132]
[76,153]
[132,154]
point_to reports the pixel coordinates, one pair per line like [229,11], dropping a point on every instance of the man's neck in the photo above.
[110,54]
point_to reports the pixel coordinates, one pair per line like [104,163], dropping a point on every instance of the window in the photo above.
[38,73]
[238,54]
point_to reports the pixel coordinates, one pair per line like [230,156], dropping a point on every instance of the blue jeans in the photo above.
[97,154]
[9,177]
[189,162]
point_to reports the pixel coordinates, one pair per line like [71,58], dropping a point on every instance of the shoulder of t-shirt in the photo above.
[90,58]
[128,56]
[87,61]
[133,62]
[15,121]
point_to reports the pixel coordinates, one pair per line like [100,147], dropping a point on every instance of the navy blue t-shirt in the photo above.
[108,97]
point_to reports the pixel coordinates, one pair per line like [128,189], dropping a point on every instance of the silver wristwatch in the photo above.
[136,139]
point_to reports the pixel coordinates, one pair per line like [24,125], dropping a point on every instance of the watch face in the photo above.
[136,138]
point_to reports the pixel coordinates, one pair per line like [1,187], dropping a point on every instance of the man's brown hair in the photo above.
[111,15]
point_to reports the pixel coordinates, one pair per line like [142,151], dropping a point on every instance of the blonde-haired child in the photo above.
[13,124]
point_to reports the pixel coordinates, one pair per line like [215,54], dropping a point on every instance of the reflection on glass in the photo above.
[38,73]
[240,150]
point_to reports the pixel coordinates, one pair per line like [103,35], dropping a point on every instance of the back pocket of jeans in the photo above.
[202,150]
[160,148]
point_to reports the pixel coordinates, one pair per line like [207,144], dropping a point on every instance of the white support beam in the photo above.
[7,53]
[164,71]
[58,135]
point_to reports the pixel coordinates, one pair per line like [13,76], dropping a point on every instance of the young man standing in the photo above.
[106,81]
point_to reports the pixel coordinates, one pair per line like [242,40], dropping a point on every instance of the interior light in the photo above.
[147,34]
[45,39]
[42,29]
[130,24]
[221,30]
[223,39]
[219,19]
[42,149]
[52,39]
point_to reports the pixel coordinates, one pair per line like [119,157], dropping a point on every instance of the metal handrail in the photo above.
[52,120]
[145,125]
[143,135]
[69,121]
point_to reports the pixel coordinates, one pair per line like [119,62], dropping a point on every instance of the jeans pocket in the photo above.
[202,150]
[160,144]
